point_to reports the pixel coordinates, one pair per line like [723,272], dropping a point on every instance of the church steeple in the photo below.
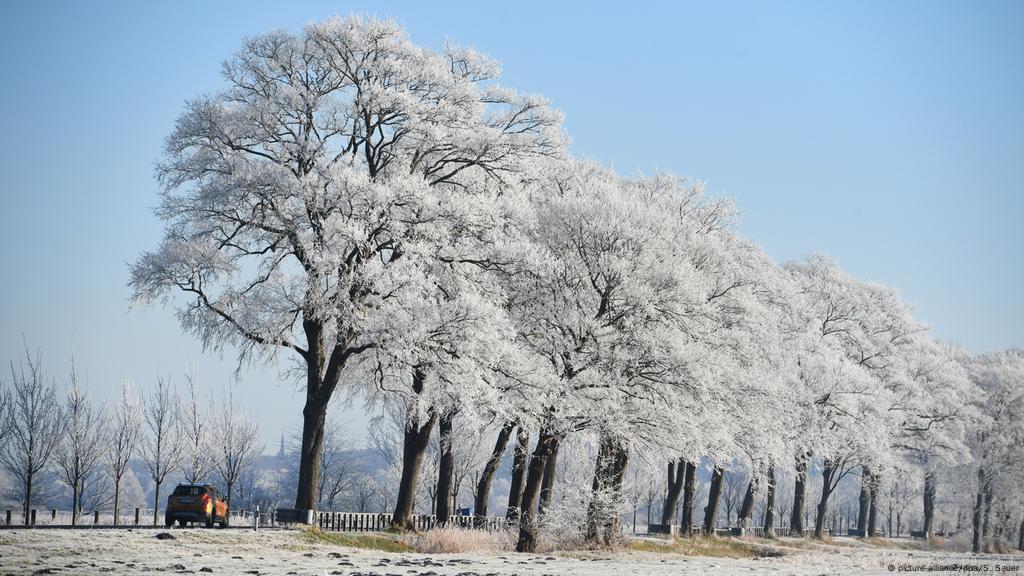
[280,451]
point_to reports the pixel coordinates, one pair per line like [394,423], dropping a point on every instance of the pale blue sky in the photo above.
[887,134]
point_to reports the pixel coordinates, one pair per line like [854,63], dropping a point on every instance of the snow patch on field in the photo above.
[288,553]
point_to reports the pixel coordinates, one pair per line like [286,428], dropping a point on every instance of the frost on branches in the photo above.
[322,203]
[413,234]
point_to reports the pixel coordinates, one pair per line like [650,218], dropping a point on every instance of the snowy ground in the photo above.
[286,552]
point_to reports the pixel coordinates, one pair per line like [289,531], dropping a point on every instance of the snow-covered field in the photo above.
[288,552]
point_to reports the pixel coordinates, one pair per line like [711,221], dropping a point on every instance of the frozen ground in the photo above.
[287,552]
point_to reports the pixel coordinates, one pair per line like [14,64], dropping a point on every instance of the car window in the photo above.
[186,490]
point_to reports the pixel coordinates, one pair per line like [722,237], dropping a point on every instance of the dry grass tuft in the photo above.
[459,540]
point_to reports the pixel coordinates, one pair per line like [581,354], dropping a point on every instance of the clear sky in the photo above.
[887,134]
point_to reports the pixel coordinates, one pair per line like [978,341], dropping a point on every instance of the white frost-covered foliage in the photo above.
[383,210]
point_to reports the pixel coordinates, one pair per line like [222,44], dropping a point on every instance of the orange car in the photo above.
[196,503]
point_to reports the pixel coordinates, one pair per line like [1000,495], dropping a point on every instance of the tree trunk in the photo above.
[986,526]
[689,488]
[156,503]
[414,445]
[863,500]
[527,541]
[28,494]
[445,469]
[796,521]
[929,502]
[483,486]
[675,488]
[547,485]
[596,507]
[1020,536]
[769,510]
[872,505]
[618,473]
[827,473]
[74,503]
[520,455]
[314,416]
[743,519]
[117,501]
[714,494]
[979,503]
[602,512]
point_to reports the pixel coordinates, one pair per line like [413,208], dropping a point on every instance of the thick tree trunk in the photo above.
[597,488]
[675,489]
[445,469]
[414,445]
[827,474]
[769,509]
[872,505]
[714,495]
[546,443]
[483,486]
[314,415]
[1020,536]
[743,519]
[618,473]
[520,457]
[929,502]
[689,488]
[602,512]
[796,521]
[862,502]
[547,485]
[979,503]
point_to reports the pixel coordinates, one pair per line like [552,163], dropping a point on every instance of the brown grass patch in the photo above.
[708,546]
[365,541]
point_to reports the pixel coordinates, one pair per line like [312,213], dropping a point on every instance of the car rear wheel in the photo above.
[182,523]
[168,521]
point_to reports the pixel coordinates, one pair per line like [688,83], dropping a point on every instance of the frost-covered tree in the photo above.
[311,195]
[161,445]
[33,422]
[847,371]
[996,437]
[194,424]
[125,436]
[83,441]
[236,437]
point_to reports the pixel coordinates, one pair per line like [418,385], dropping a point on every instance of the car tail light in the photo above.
[206,500]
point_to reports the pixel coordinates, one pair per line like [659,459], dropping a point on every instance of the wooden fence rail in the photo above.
[375,522]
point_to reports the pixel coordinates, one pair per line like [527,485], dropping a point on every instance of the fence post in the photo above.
[33,520]
[256,519]
[95,517]
[53,515]
[8,517]
[137,516]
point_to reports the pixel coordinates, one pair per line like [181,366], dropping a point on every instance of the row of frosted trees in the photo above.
[414,233]
[91,446]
